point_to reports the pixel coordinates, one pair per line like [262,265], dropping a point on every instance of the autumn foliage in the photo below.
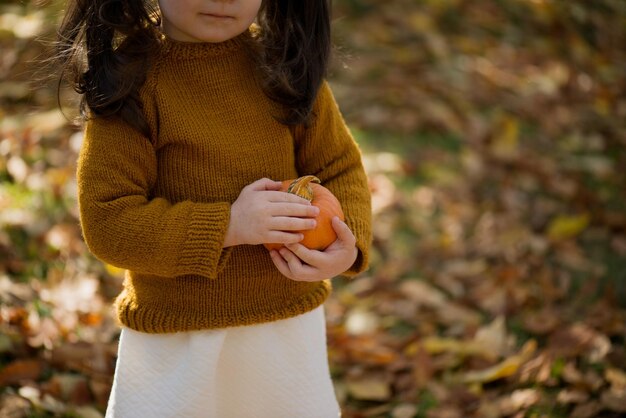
[494,137]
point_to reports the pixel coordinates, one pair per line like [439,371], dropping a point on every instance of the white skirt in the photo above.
[273,370]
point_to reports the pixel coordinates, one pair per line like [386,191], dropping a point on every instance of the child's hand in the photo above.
[299,263]
[262,213]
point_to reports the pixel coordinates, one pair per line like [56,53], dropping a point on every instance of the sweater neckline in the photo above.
[182,50]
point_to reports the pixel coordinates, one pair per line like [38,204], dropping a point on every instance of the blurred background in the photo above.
[493,133]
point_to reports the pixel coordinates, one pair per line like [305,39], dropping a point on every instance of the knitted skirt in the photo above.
[272,370]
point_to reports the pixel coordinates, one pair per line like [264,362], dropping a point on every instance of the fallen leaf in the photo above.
[493,337]
[580,339]
[21,370]
[87,412]
[568,396]
[453,313]
[71,388]
[616,377]
[369,388]
[383,193]
[423,369]
[506,368]
[42,401]
[564,227]
[101,389]
[14,406]
[369,351]
[422,293]
[586,410]
[614,400]
[505,143]
[445,411]
[518,400]
[404,411]
[438,345]
[6,343]
[541,322]
[572,375]
[91,358]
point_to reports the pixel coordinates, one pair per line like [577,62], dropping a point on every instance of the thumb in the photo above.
[344,234]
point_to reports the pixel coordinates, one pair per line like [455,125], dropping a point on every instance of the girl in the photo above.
[191,107]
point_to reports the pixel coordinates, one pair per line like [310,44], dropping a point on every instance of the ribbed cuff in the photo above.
[203,253]
[363,242]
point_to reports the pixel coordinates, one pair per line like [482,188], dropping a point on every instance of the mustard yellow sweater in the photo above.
[159,206]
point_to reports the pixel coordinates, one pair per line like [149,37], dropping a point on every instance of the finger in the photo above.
[299,270]
[283,197]
[283,237]
[291,209]
[283,223]
[305,273]
[281,264]
[343,232]
[294,263]
[310,257]
[265,184]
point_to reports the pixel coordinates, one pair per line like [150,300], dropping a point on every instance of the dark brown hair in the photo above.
[106,46]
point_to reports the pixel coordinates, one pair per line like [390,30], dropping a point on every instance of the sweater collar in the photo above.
[194,50]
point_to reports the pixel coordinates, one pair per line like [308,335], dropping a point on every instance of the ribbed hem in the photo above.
[159,319]
[202,253]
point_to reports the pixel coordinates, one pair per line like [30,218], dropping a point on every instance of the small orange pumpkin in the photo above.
[309,187]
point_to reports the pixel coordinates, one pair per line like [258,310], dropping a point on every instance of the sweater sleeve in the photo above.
[126,227]
[326,149]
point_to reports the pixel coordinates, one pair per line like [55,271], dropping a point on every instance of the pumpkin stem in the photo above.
[301,187]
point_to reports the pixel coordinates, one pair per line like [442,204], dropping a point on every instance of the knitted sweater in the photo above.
[159,206]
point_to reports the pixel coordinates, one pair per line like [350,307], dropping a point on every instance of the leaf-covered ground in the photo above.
[494,135]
